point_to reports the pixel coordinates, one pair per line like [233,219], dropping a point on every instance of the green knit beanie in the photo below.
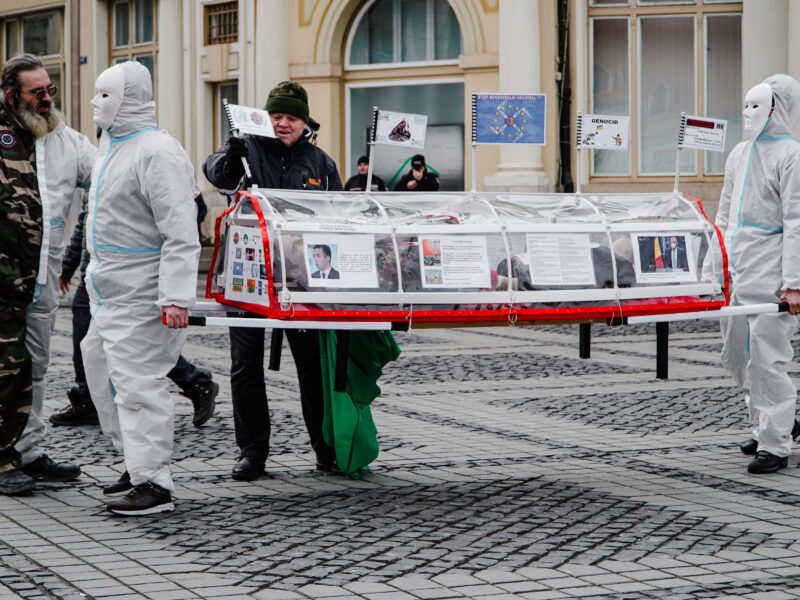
[288,98]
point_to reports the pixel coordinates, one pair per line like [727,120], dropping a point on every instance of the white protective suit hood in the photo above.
[134,109]
[786,114]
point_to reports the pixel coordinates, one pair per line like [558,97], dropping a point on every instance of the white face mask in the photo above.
[757,109]
[109,91]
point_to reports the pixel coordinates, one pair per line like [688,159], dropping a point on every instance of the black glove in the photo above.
[235,150]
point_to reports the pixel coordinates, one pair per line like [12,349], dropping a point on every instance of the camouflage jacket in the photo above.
[20,212]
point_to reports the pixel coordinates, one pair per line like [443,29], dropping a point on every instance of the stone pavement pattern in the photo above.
[509,468]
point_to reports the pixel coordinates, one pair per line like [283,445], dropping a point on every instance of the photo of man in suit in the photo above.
[322,259]
[675,255]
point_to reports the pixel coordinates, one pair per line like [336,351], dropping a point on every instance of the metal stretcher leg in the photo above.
[662,350]
[585,340]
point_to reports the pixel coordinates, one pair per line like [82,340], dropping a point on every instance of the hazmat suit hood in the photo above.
[786,97]
[135,108]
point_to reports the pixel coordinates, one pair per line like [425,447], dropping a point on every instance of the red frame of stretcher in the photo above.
[490,314]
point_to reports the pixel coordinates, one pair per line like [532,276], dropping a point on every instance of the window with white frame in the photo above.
[228,90]
[653,60]
[40,34]
[133,32]
[405,31]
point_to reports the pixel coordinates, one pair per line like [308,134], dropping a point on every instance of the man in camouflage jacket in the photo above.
[20,244]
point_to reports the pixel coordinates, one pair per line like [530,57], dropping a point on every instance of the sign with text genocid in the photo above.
[603,132]
[400,129]
[704,134]
[508,118]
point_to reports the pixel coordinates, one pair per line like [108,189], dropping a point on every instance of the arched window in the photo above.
[405,31]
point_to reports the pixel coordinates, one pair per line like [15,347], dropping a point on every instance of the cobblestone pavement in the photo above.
[509,468]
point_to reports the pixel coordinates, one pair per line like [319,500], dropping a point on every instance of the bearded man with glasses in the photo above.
[42,163]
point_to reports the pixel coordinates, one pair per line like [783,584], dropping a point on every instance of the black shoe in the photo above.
[750,447]
[123,484]
[328,466]
[202,396]
[16,482]
[248,468]
[45,468]
[81,410]
[144,499]
[766,462]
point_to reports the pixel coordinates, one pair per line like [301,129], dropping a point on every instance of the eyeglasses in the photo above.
[50,90]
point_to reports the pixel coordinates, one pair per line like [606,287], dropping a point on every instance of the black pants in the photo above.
[250,405]
[184,374]
[16,382]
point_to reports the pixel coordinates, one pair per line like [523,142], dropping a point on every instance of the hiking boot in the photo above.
[123,484]
[766,462]
[750,447]
[45,468]
[15,482]
[202,396]
[146,498]
[81,411]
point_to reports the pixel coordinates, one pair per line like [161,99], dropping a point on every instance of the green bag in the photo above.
[347,425]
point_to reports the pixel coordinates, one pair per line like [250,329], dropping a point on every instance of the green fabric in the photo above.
[348,425]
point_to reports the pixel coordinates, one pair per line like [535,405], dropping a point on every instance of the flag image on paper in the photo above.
[253,121]
[705,134]
[509,118]
[603,132]
[400,129]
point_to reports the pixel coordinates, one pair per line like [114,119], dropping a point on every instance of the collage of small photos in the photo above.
[246,267]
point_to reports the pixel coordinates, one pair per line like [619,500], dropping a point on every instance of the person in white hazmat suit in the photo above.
[64,160]
[759,218]
[143,242]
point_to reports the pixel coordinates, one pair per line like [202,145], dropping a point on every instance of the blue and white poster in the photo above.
[509,118]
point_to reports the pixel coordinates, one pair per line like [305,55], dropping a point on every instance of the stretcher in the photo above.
[355,260]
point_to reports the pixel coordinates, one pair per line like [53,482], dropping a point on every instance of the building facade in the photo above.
[650,59]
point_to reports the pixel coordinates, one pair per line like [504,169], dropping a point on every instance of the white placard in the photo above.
[655,260]
[245,268]
[253,121]
[560,259]
[454,261]
[705,134]
[401,129]
[604,132]
[340,261]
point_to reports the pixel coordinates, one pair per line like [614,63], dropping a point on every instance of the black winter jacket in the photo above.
[428,183]
[358,183]
[302,166]
[75,254]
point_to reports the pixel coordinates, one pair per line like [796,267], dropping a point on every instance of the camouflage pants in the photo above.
[15,382]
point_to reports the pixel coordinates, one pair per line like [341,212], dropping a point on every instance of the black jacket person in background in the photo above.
[358,182]
[289,161]
[418,179]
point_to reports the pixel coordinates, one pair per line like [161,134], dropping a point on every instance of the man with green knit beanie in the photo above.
[290,161]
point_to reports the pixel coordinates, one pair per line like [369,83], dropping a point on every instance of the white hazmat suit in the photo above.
[142,237]
[759,217]
[64,160]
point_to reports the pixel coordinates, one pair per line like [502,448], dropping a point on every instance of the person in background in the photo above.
[358,182]
[418,179]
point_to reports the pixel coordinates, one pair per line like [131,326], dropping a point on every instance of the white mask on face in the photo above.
[757,108]
[109,91]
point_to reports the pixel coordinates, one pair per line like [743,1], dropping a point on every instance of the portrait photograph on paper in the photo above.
[663,258]
[340,261]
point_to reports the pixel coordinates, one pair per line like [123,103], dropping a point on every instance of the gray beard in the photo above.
[38,125]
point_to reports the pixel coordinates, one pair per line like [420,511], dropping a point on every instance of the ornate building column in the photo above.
[520,167]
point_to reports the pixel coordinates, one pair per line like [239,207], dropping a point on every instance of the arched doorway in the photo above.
[402,55]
